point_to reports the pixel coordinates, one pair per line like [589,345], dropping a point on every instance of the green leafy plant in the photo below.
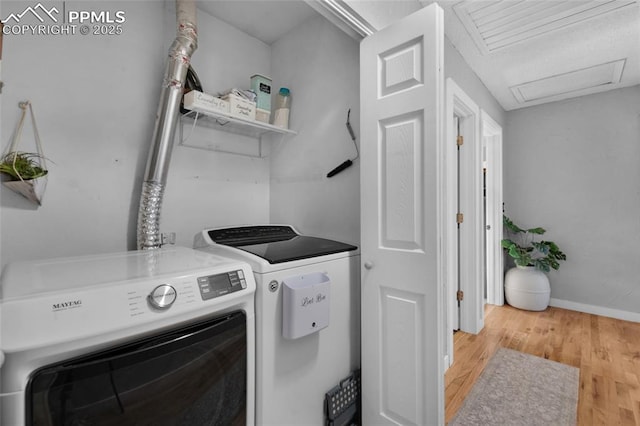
[22,165]
[526,251]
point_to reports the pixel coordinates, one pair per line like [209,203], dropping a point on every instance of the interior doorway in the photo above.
[464,238]
[473,230]
[491,133]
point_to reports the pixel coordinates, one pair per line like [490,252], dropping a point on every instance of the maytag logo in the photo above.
[66,305]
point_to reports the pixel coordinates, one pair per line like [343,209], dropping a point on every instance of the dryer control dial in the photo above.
[162,297]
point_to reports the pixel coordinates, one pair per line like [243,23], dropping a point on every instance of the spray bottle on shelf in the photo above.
[283,106]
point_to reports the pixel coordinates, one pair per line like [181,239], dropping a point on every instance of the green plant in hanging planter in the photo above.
[526,251]
[22,166]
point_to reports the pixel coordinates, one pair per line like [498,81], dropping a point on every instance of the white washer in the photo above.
[147,337]
[293,375]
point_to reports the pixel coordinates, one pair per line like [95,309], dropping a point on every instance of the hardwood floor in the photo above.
[606,350]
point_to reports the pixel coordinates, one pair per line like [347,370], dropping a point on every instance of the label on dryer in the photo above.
[137,303]
[69,304]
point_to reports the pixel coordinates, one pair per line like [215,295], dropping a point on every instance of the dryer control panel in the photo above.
[117,295]
[220,284]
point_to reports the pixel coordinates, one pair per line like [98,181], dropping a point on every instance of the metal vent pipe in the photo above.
[155,177]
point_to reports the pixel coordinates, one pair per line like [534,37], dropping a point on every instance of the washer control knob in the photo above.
[162,297]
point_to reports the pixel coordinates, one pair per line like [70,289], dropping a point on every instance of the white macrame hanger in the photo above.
[13,148]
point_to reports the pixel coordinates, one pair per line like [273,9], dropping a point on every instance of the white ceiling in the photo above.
[266,20]
[526,52]
[553,51]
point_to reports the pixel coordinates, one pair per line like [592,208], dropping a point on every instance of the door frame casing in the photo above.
[458,103]
[491,133]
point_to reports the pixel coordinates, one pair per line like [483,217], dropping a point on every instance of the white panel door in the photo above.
[401,97]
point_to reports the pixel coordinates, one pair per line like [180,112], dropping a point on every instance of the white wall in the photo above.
[1,140]
[213,189]
[95,98]
[455,67]
[572,167]
[324,83]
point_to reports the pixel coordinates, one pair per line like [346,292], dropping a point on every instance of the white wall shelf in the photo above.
[233,124]
[230,124]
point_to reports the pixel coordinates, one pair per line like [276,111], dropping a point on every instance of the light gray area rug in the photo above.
[520,389]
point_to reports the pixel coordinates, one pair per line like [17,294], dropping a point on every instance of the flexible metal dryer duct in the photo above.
[180,52]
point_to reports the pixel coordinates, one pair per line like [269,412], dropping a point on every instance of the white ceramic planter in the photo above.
[526,287]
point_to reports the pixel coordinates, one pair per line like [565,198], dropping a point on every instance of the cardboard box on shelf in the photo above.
[203,102]
[241,107]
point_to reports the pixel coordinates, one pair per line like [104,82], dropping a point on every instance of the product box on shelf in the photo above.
[263,115]
[203,102]
[261,86]
[241,107]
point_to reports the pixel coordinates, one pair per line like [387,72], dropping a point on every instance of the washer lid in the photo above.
[277,243]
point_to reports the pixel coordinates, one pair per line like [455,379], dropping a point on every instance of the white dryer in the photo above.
[162,337]
[293,374]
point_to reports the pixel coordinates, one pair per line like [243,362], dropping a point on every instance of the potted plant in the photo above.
[527,285]
[22,166]
[24,171]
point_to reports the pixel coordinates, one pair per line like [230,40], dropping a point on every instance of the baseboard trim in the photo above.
[596,310]
[447,364]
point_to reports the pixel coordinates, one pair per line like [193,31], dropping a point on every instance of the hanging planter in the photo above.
[28,177]
[26,171]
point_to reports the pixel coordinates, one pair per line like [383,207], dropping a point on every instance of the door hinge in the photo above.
[459,218]
[460,140]
[459,295]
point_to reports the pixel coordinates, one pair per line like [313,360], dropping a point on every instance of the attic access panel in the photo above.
[576,82]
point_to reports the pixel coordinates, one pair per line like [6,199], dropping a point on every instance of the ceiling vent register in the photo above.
[495,25]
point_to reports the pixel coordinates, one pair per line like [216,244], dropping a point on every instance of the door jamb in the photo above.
[491,132]
[472,309]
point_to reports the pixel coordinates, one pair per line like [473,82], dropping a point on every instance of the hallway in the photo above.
[606,350]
